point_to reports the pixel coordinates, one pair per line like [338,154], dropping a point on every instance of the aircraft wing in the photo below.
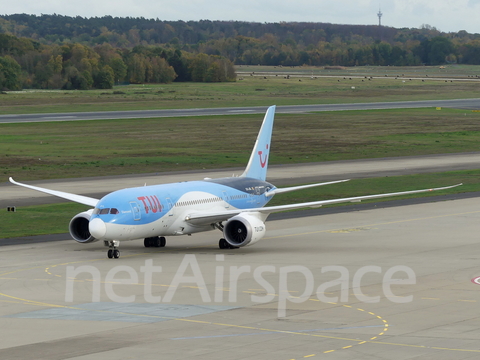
[204,218]
[72,197]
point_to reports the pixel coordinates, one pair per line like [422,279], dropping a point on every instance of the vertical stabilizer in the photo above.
[258,163]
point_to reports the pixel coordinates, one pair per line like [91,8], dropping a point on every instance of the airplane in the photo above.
[233,205]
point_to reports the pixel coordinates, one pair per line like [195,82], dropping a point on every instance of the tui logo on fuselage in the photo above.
[153,204]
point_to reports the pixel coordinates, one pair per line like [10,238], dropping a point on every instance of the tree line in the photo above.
[54,51]
[129,31]
[25,63]
[356,52]
[284,43]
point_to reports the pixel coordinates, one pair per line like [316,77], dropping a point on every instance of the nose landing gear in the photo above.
[113,252]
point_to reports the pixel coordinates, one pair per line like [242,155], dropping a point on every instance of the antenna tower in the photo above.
[379,17]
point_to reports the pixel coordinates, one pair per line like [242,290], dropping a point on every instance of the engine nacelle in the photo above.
[78,227]
[244,229]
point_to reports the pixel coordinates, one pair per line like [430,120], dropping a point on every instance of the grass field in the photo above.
[260,90]
[114,147]
[450,71]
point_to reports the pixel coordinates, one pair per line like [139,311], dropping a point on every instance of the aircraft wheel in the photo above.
[163,241]
[110,253]
[222,244]
[147,242]
[157,242]
[116,254]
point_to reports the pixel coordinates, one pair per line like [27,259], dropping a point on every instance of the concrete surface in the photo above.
[212,314]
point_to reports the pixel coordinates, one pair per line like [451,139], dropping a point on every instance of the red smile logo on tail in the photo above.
[263,162]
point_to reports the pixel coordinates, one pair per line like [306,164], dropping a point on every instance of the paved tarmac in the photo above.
[471,104]
[227,304]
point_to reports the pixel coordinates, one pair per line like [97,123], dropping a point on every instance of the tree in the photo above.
[440,48]
[42,74]
[77,80]
[104,78]
[198,67]
[435,51]
[56,63]
[9,73]
[159,71]
[179,64]
[119,69]
[137,69]
[471,53]
[213,73]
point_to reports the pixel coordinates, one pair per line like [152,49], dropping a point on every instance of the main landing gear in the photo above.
[113,252]
[155,241]
[223,244]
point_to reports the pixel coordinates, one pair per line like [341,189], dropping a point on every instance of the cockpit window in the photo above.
[105,211]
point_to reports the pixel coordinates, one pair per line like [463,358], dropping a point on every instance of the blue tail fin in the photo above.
[258,163]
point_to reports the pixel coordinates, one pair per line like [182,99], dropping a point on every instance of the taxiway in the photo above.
[219,319]
[472,104]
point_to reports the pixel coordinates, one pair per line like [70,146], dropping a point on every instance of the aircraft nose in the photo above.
[97,228]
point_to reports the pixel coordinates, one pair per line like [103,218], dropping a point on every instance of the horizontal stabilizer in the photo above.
[294,188]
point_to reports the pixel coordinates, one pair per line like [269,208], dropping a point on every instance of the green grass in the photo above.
[256,90]
[53,219]
[114,147]
[455,71]
[38,220]
[388,184]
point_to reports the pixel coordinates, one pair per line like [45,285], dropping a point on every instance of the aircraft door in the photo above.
[225,198]
[170,207]
[135,210]
[257,194]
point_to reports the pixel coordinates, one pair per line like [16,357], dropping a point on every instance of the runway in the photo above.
[227,304]
[472,104]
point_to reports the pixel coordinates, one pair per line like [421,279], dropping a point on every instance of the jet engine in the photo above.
[78,227]
[244,229]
